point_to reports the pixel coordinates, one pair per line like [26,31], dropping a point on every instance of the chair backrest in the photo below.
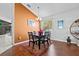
[43,37]
[30,34]
[34,33]
[47,34]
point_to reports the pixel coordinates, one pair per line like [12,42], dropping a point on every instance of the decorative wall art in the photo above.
[74,29]
[46,24]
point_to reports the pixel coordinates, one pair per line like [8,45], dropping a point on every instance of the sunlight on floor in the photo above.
[51,50]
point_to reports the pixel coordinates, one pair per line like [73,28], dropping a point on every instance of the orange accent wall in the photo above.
[21,28]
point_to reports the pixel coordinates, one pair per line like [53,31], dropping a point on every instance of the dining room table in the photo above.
[39,37]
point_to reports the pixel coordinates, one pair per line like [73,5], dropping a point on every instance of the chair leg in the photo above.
[36,42]
[33,45]
[47,42]
[29,43]
[44,44]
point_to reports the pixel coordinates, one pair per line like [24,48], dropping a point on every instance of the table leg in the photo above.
[39,43]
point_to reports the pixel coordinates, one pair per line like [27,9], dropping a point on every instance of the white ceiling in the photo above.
[7,11]
[46,9]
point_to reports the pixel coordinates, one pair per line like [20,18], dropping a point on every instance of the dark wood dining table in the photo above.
[39,37]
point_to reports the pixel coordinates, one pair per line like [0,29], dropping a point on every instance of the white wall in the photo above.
[6,14]
[6,11]
[5,42]
[69,17]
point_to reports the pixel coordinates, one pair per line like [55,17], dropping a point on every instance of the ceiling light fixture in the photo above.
[39,18]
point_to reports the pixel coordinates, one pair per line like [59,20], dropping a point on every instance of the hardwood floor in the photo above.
[56,48]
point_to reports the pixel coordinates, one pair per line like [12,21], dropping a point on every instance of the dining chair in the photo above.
[34,33]
[32,38]
[43,40]
[47,37]
[48,34]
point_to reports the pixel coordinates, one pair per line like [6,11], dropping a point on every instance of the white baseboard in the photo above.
[6,48]
[63,41]
[21,42]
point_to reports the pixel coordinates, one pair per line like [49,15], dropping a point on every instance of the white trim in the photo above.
[63,41]
[12,46]
[6,49]
[13,21]
[21,42]
[77,42]
[53,39]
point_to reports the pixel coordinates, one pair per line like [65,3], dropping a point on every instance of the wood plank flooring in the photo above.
[56,48]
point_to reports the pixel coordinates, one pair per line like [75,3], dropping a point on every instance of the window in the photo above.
[31,22]
[60,24]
